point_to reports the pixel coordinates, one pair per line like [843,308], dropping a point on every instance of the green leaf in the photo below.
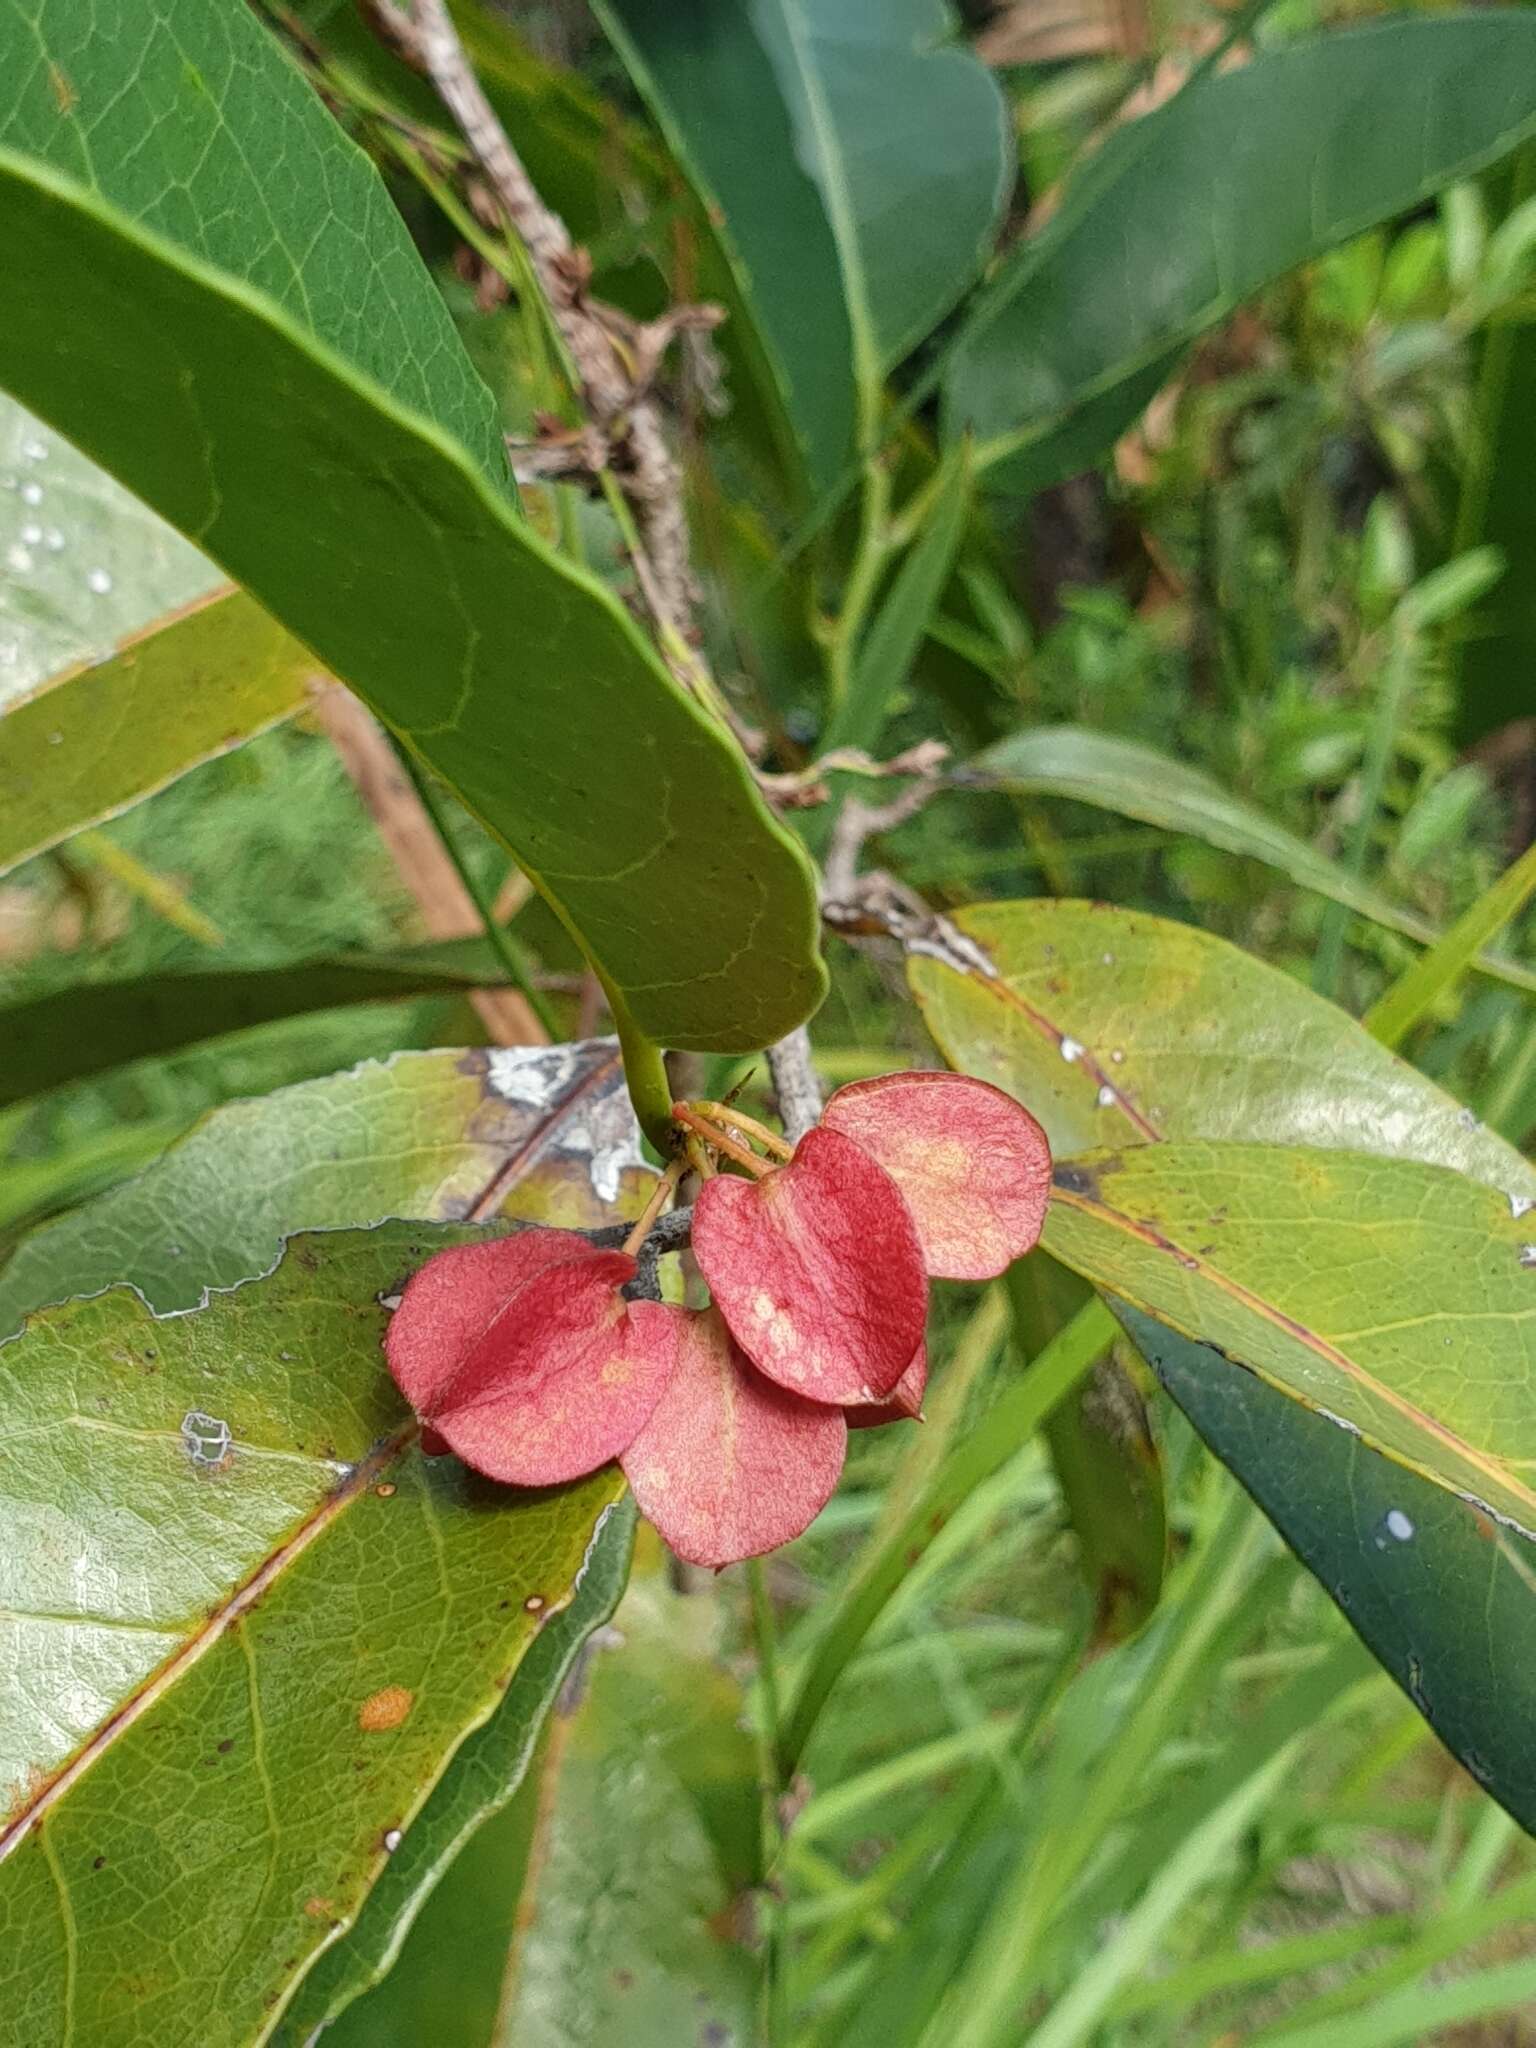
[86,565]
[95,1026]
[1138,781]
[1441,1595]
[889,148]
[1234,181]
[124,660]
[1392,1297]
[267,363]
[1197,1039]
[543,1133]
[98,738]
[1116,1028]
[884,661]
[250,1625]
[461,1859]
[628,1934]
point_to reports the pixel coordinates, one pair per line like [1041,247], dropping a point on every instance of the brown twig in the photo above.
[795,1087]
[858,823]
[614,359]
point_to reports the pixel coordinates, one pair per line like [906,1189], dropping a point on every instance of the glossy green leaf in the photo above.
[888,142]
[1397,1298]
[544,1133]
[247,1624]
[1441,1594]
[98,1025]
[1203,1040]
[439,1919]
[93,741]
[265,361]
[635,1928]
[1185,213]
[1138,781]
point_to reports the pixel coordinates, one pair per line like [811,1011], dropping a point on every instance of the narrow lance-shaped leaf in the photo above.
[97,739]
[890,166]
[897,631]
[1135,780]
[1116,1027]
[94,1026]
[264,360]
[1185,213]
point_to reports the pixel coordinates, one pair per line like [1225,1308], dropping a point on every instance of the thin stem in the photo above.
[501,942]
[738,1120]
[645,1073]
[722,1141]
[664,1189]
[870,557]
[776,1971]
[1009,1426]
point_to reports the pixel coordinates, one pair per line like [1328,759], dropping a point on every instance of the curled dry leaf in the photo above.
[972,1164]
[540,1381]
[817,1270]
[730,1465]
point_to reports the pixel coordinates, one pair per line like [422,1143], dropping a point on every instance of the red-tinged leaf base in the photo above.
[905,1402]
[972,1164]
[555,1380]
[730,1465]
[817,1270]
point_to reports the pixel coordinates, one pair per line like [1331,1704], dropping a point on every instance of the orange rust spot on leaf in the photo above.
[385,1709]
[319,1909]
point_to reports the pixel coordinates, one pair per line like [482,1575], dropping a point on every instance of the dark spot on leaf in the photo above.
[99,1863]
[226,1745]
[624,1979]
[1081,1180]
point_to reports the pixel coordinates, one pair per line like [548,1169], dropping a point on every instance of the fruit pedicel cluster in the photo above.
[525,1357]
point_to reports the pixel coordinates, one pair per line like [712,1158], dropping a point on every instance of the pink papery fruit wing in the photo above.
[817,1270]
[973,1164]
[729,1464]
[563,1379]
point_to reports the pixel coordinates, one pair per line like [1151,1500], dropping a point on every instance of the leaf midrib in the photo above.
[30,1812]
[1300,1333]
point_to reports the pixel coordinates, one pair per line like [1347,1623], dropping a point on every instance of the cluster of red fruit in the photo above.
[523,1356]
